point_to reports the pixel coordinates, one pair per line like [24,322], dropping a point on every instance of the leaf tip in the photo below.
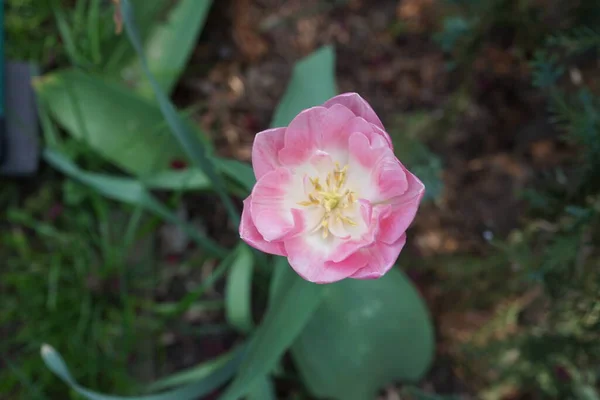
[47,350]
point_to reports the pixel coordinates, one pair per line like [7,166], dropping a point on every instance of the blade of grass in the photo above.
[132,192]
[189,142]
[67,36]
[93,31]
[216,378]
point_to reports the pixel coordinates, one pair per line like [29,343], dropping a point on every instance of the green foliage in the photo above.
[30,30]
[65,275]
[386,323]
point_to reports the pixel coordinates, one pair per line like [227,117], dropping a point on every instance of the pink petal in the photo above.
[265,151]
[382,133]
[273,217]
[302,136]
[335,130]
[308,256]
[361,151]
[381,257]
[357,105]
[250,234]
[390,178]
[404,209]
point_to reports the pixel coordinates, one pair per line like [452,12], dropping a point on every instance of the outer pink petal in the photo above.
[335,130]
[381,257]
[390,178]
[268,210]
[250,234]
[404,209]
[302,136]
[311,262]
[357,105]
[265,151]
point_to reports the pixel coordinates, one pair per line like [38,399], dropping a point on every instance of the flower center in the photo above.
[332,197]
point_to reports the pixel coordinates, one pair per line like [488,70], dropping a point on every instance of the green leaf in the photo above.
[365,335]
[119,51]
[129,191]
[238,291]
[182,132]
[229,361]
[313,83]
[262,390]
[112,120]
[170,46]
[207,384]
[282,323]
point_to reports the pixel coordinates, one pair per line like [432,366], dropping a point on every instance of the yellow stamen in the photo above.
[333,198]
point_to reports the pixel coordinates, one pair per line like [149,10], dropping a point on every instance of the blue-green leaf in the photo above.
[216,378]
[365,335]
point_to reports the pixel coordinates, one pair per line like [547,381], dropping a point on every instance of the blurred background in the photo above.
[492,103]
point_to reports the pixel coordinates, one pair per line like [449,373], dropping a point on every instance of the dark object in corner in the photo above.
[19,135]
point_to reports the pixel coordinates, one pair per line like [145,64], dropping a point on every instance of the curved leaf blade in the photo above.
[57,365]
[129,191]
[281,325]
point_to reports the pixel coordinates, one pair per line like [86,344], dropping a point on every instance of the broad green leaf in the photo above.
[186,137]
[205,385]
[170,46]
[313,83]
[365,335]
[111,119]
[281,325]
[230,360]
[129,191]
[238,291]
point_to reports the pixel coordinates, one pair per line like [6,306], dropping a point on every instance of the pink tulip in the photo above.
[331,196]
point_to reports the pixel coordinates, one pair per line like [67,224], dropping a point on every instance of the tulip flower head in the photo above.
[330,195]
